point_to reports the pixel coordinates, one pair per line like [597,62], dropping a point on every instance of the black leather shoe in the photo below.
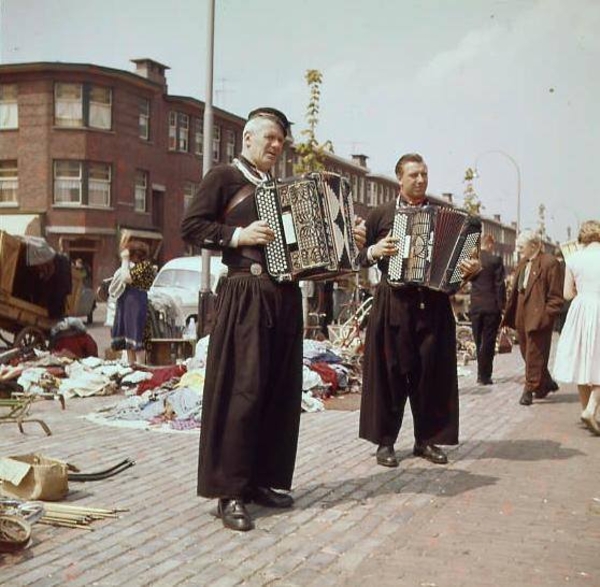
[541,393]
[386,455]
[431,452]
[234,515]
[553,386]
[485,381]
[526,398]
[270,498]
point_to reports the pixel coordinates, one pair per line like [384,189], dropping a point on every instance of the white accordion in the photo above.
[312,217]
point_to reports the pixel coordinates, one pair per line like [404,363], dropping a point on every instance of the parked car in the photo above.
[179,279]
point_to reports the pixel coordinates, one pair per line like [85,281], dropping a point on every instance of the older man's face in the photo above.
[527,249]
[264,145]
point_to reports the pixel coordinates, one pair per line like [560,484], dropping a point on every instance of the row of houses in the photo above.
[89,154]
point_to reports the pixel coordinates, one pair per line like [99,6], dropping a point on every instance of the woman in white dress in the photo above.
[578,352]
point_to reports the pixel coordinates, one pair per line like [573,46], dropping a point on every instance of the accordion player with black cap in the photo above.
[432,242]
[312,217]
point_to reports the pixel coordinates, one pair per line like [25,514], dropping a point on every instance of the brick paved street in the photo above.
[518,506]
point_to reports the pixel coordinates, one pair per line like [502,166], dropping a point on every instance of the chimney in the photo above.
[447,196]
[360,159]
[152,70]
[497,218]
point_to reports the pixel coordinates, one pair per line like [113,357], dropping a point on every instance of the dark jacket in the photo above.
[488,292]
[543,294]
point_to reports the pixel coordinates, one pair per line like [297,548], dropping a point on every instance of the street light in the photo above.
[516,165]
[205,301]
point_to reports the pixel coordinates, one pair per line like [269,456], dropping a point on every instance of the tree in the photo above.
[310,153]
[471,200]
[542,220]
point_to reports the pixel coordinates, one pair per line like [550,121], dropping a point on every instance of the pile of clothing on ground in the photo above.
[164,398]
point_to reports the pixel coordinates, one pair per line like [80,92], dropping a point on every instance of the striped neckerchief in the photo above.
[250,172]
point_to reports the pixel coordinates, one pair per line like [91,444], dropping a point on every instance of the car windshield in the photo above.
[178,278]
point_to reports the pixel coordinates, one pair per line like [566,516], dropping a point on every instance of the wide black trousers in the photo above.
[253,388]
[410,353]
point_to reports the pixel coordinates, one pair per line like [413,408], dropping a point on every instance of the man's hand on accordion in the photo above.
[257,233]
[469,268]
[386,247]
[360,232]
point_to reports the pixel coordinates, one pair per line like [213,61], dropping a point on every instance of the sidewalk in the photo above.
[518,506]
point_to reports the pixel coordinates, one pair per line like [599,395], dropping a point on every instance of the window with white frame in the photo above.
[144,119]
[230,146]
[179,131]
[68,180]
[216,143]
[184,133]
[9,106]
[140,200]
[172,130]
[100,107]
[82,183]
[9,181]
[82,105]
[189,189]
[99,184]
[198,136]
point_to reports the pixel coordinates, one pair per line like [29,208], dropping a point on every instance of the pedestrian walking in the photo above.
[578,351]
[534,302]
[488,296]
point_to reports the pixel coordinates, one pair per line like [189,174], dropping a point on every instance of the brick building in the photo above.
[89,154]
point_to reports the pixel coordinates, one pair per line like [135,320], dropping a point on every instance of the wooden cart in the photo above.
[21,322]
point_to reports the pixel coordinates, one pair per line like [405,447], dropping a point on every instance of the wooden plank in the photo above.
[9,255]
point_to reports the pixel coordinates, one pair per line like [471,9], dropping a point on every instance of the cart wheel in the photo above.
[31,337]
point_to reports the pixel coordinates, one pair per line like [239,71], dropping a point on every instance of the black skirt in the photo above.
[253,388]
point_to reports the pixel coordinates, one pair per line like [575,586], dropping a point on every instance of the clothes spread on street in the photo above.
[130,325]
[578,352]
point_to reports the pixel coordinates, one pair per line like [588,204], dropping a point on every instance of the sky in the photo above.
[510,87]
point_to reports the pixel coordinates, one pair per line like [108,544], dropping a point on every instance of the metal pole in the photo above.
[204,304]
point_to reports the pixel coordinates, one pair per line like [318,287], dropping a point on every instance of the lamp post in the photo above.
[205,301]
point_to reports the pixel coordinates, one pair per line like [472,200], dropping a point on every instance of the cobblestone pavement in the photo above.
[518,505]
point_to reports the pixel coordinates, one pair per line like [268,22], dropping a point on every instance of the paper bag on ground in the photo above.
[32,477]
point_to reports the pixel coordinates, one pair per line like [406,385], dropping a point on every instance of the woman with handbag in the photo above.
[578,351]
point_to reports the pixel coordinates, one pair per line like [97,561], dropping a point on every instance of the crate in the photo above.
[169,351]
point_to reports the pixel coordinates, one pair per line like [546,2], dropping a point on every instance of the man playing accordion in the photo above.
[410,350]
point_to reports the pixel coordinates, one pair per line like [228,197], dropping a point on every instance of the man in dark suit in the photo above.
[535,301]
[488,296]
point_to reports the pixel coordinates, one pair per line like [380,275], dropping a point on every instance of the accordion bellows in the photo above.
[432,242]
[312,217]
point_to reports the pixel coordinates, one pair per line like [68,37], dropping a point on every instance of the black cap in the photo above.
[272,114]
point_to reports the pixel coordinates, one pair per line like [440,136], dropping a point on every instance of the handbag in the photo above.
[503,343]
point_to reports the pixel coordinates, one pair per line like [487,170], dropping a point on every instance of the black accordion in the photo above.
[312,217]
[432,242]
